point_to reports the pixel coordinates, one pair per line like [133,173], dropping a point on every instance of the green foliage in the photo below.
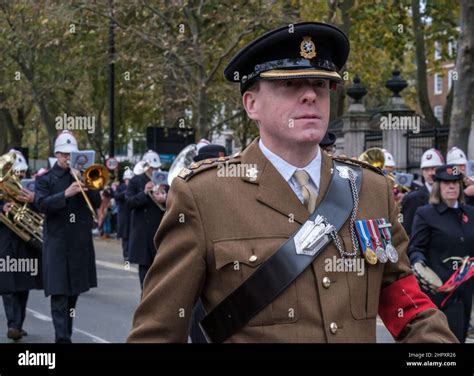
[170,58]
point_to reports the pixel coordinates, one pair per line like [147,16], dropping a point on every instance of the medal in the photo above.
[392,253]
[375,235]
[365,244]
[384,226]
[370,256]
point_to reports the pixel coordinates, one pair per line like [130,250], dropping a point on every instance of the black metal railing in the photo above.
[418,143]
[373,139]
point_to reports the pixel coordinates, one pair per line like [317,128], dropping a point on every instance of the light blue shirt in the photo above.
[287,170]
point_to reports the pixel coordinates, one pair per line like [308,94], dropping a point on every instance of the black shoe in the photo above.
[63,340]
[14,334]
[23,333]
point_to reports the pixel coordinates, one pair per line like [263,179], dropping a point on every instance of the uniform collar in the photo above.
[59,171]
[273,190]
[287,170]
[442,207]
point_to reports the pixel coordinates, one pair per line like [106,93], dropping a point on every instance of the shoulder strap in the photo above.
[261,288]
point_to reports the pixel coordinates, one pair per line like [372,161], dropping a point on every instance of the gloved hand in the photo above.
[427,278]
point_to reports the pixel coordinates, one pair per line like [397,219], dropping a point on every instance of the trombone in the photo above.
[95,177]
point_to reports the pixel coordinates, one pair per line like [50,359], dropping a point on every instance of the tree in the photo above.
[421,71]
[461,115]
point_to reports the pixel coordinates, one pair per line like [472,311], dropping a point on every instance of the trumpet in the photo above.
[95,177]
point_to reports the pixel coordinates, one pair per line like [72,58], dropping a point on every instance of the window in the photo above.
[437,47]
[438,113]
[452,48]
[228,146]
[438,84]
[450,78]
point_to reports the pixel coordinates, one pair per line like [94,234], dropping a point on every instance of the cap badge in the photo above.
[307,48]
[429,156]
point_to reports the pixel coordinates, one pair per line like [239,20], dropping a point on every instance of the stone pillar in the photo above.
[356,120]
[396,116]
[356,123]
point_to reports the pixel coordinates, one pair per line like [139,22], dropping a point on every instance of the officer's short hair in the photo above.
[435,195]
[255,86]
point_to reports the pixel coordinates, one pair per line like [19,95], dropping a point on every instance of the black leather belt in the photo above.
[282,268]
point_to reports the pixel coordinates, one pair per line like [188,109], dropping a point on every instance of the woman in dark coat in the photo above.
[442,235]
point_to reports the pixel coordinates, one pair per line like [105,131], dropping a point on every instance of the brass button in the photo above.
[253,258]
[326,282]
[333,327]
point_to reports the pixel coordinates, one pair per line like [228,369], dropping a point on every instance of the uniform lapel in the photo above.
[59,171]
[326,166]
[274,191]
[326,174]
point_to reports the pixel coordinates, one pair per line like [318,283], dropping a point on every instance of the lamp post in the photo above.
[111,82]
[35,150]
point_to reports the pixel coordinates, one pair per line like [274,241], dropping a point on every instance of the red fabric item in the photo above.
[401,302]
[456,280]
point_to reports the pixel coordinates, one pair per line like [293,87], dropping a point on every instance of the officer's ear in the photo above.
[249,100]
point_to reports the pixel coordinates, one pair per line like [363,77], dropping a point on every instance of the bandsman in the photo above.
[15,285]
[68,250]
[145,203]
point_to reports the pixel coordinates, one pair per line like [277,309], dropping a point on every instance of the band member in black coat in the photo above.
[431,159]
[15,285]
[443,234]
[68,250]
[146,206]
[328,143]
[123,218]
[457,157]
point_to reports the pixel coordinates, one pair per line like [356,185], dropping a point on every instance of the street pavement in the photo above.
[103,314]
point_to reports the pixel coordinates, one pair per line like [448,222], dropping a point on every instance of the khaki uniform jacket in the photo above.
[214,225]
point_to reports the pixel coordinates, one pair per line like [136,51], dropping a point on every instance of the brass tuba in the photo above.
[376,158]
[23,221]
[183,160]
